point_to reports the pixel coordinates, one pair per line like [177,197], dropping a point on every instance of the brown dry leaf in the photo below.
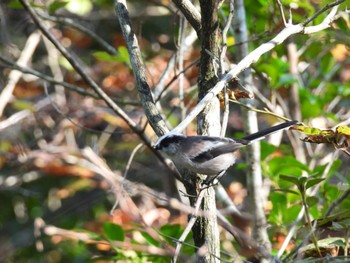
[117,76]
[28,89]
[54,164]
[59,169]
[240,94]
[78,38]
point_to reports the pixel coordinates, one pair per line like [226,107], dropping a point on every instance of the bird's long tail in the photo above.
[263,133]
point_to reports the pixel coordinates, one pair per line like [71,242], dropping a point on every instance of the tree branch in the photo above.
[154,117]
[191,13]
[251,58]
[79,68]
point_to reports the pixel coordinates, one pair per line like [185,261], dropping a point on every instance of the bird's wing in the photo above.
[219,146]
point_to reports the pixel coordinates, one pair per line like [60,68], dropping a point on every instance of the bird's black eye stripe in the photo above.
[169,140]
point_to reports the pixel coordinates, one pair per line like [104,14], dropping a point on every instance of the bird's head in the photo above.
[169,143]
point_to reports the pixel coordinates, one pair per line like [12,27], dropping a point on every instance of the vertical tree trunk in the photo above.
[205,230]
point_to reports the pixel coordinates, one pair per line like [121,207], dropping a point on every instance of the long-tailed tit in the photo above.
[208,155]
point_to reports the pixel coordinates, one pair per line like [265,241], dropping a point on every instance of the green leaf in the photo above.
[266,149]
[311,105]
[123,56]
[104,56]
[292,179]
[173,231]
[113,231]
[286,165]
[79,7]
[56,5]
[286,191]
[302,180]
[311,200]
[279,203]
[285,80]
[15,4]
[274,69]
[23,105]
[290,213]
[337,226]
[313,181]
[150,239]
[324,244]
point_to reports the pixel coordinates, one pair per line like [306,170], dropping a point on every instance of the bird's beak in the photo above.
[156,146]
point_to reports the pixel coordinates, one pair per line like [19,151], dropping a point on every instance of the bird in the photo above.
[209,155]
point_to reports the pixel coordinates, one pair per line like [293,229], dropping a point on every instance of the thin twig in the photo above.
[74,24]
[80,69]
[153,115]
[161,86]
[14,76]
[222,68]
[64,115]
[161,94]
[280,6]
[189,226]
[180,62]
[337,202]
[251,58]
[191,13]
[322,10]
[260,111]
[50,79]
[132,155]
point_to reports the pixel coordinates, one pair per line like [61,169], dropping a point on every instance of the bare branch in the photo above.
[249,107]
[280,6]
[49,79]
[70,22]
[322,10]
[80,69]
[188,227]
[151,111]
[15,75]
[251,58]
[191,13]
[222,68]
[337,202]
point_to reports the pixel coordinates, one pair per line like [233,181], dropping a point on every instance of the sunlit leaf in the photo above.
[286,165]
[23,105]
[311,200]
[312,182]
[285,80]
[79,7]
[150,239]
[292,179]
[15,4]
[113,231]
[54,6]
[173,231]
[283,190]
